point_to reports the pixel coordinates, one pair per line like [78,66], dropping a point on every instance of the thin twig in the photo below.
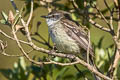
[86,65]
[77,60]
[9,55]
[3,33]
[103,17]
[111,15]
[111,19]
[107,6]
[118,29]
[57,54]
[90,20]
[88,53]
[76,67]
[31,13]
[117,55]
[99,26]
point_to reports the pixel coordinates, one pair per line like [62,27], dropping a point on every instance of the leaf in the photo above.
[4,16]
[30,26]
[60,73]
[10,17]
[106,9]
[74,17]
[37,71]
[22,73]
[57,59]
[7,73]
[22,63]
[70,77]
[2,21]
[28,8]
[100,42]
[38,25]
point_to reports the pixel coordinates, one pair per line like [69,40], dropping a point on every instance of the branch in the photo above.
[90,20]
[118,29]
[91,68]
[3,33]
[31,13]
[106,4]
[111,19]
[5,54]
[77,60]
[117,55]
[55,54]
[86,65]
[103,17]
[99,26]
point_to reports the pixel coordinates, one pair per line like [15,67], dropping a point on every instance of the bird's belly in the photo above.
[63,42]
[67,46]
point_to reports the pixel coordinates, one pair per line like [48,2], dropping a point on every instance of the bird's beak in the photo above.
[44,16]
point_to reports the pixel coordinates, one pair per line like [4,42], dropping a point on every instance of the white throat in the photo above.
[51,22]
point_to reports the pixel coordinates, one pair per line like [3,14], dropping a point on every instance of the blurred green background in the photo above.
[8,62]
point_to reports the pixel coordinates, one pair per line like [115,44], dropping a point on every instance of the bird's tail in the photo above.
[91,62]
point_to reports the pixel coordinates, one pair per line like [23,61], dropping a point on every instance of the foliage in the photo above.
[103,56]
[23,71]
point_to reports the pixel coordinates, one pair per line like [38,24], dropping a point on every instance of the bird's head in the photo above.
[56,16]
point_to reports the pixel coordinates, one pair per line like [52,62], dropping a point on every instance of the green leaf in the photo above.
[100,42]
[57,59]
[2,21]
[22,63]
[74,17]
[36,71]
[7,73]
[69,77]
[4,16]
[61,73]
[106,9]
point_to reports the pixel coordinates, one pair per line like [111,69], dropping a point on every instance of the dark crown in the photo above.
[58,14]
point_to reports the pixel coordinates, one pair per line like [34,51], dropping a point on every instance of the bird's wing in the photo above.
[77,33]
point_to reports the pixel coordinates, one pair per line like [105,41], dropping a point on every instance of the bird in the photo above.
[67,35]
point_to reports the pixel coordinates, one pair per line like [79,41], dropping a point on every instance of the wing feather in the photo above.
[78,34]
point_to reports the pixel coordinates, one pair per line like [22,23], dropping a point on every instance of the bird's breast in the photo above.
[62,41]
